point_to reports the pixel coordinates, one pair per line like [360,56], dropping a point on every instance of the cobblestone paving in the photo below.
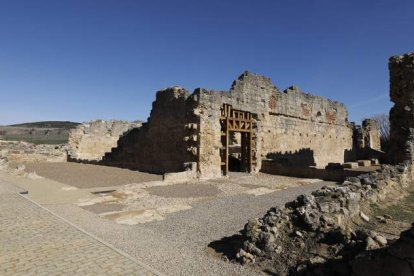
[35,242]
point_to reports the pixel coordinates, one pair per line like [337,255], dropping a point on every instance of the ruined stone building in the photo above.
[210,132]
[402,114]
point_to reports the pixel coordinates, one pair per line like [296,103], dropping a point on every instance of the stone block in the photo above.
[334,166]
[350,165]
[364,163]
[191,126]
[374,162]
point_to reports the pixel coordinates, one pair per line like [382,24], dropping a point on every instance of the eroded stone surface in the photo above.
[402,114]
[183,131]
[91,140]
[322,225]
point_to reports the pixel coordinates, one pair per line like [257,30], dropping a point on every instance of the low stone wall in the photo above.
[270,167]
[90,141]
[319,227]
[15,151]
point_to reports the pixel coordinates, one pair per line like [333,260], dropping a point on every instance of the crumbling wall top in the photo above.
[173,92]
[253,83]
[370,123]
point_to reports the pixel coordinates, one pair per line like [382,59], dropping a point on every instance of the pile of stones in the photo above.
[17,151]
[318,231]
[397,259]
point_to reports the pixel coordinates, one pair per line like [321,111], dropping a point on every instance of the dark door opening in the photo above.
[239,150]
[235,152]
[238,143]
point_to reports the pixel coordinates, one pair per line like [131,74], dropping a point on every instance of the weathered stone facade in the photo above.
[288,122]
[368,135]
[184,130]
[91,140]
[402,114]
[158,146]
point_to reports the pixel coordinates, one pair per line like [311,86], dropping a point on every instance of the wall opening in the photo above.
[238,140]
[239,149]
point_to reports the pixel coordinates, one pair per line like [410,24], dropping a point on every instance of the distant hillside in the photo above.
[49,132]
[49,124]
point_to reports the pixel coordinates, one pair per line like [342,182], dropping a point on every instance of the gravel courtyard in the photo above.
[88,176]
[176,228]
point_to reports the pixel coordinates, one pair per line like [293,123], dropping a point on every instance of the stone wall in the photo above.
[323,226]
[368,135]
[15,151]
[373,135]
[158,146]
[91,140]
[402,114]
[337,174]
[184,131]
[286,122]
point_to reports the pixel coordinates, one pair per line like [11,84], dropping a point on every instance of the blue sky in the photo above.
[80,60]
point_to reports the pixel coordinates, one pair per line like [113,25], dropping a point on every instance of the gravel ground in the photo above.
[103,208]
[89,176]
[178,245]
[184,190]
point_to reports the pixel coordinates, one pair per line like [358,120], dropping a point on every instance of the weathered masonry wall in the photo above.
[373,136]
[91,140]
[288,124]
[184,131]
[402,114]
[158,146]
[368,135]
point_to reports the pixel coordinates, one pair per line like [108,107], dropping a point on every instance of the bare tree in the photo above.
[383,121]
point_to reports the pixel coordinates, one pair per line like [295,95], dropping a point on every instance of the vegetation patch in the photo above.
[50,132]
[403,211]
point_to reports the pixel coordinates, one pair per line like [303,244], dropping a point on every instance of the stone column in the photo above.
[372,134]
[402,114]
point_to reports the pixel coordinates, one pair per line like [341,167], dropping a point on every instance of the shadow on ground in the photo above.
[227,247]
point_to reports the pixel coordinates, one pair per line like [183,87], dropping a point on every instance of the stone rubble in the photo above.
[16,151]
[320,227]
